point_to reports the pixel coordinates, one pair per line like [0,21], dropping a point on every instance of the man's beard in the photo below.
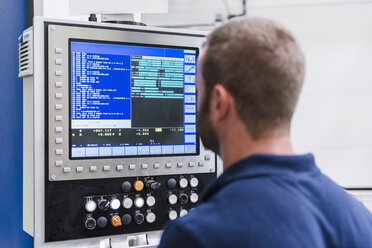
[206,132]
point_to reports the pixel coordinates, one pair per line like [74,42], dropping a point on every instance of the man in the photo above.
[249,78]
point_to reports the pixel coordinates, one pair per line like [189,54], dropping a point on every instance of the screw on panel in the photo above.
[52,27]
[54,177]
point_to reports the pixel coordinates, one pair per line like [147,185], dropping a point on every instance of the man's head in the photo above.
[257,64]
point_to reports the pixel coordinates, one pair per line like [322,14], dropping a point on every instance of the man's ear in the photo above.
[220,102]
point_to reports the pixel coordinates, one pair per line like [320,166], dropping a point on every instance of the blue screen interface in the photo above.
[132,100]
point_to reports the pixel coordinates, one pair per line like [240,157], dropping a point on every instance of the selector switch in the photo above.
[139,202]
[194,182]
[102,222]
[115,204]
[138,185]
[116,221]
[152,184]
[183,183]
[90,223]
[172,199]
[127,219]
[127,202]
[139,218]
[150,217]
[183,198]
[90,206]
[172,215]
[103,204]
[172,183]
[126,186]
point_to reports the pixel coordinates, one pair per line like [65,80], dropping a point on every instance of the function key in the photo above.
[59,151]
[67,170]
[201,164]
[139,218]
[106,167]
[58,95]
[172,199]
[156,166]
[150,217]
[58,61]
[93,168]
[58,106]
[58,117]
[127,202]
[207,157]
[194,197]
[115,204]
[191,164]
[59,129]
[58,73]
[59,84]
[58,140]
[183,212]
[132,166]
[79,169]
[179,165]
[168,165]
[58,50]
[119,167]
[144,166]
[59,163]
[139,202]
[90,206]
[172,215]
[150,201]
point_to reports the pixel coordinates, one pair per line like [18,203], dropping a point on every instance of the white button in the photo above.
[59,151]
[58,61]
[172,199]
[79,169]
[194,197]
[179,165]
[93,168]
[115,204]
[90,206]
[144,166]
[191,164]
[58,95]
[183,212]
[106,167]
[183,183]
[201,164]
[59,84]
[59,163]
[127,202]
[156,166]
[67,170]
[58,50]
[58,106]
[172,215]
[150,201]
[194,182]
[207,157]
[58,73]
[58,117]
[58,140]
[168,165]
[139,202]
[59,129]
[132,166]
[119,167]
[150,217]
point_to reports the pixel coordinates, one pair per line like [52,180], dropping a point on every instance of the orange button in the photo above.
[138,185]
[116,221]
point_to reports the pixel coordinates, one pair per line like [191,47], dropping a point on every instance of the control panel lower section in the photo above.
[91,208]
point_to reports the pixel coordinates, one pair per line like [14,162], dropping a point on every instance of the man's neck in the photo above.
[242,147]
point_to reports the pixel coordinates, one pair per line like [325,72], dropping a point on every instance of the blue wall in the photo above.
[13,20]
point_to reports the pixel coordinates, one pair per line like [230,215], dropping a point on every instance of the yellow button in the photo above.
[138,185]
[116,221]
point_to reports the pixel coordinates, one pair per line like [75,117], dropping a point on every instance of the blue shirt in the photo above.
[273,201]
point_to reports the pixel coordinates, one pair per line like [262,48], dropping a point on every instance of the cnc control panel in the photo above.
[122,151]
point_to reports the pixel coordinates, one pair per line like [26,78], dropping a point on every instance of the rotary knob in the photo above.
[90,223]
[90,206]
[103,204]
[172,199]
[116,221]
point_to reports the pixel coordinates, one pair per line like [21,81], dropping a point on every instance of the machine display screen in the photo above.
[132,100]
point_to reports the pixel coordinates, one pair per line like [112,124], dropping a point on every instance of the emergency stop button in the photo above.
[138,185]
[116,221]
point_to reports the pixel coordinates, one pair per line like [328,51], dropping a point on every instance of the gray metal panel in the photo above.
[58,37]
